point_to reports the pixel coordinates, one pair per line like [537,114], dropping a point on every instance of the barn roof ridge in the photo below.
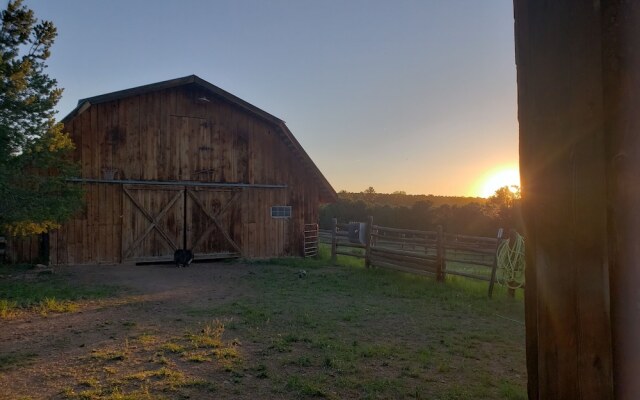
[168,84]
[83,104]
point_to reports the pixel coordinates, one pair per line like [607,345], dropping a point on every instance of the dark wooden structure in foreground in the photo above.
[184,164]
[578,104]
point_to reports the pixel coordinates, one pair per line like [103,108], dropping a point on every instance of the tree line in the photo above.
[401,198]
[463,215]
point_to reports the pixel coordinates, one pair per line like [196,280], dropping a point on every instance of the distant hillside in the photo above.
[408,200]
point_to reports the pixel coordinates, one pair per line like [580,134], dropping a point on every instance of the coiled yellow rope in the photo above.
[511,262]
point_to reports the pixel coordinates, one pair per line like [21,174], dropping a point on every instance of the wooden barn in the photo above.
[185,164]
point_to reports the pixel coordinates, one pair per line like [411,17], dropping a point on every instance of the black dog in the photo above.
[182,257]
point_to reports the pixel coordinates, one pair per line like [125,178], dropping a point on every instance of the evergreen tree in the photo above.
[35,161]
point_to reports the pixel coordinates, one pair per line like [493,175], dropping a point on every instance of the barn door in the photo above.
[213,222]
[153,222]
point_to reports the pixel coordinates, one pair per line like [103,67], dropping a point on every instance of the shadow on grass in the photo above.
[347,331]
[23,288]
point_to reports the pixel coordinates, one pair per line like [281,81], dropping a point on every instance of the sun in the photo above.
[494,180]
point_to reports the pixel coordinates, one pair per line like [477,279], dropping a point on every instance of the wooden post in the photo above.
[494,267]
[367,238]
[622,75]
[510,291]
[578,66]
[440,262]
[426,244]
[334,242]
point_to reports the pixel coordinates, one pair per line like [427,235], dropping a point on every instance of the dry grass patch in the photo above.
[159,368]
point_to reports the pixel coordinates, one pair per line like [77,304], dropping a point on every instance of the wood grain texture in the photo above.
[621,66]
[563,167]
[169,135]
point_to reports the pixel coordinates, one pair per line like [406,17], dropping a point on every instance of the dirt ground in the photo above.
[151,302]
[248,331]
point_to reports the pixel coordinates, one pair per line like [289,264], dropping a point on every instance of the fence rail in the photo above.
[432,253]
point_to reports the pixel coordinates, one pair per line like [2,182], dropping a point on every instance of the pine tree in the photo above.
[35,161]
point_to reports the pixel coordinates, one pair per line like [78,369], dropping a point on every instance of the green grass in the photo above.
[109,355]
[341,331]
[348,331]
[8,308]
[479,270]
[173,348]
[43,293]
[13,360]
[48,305]
[13,269]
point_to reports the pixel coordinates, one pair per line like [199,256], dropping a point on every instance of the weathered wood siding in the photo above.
[173,135]
[94,235]
[23,249]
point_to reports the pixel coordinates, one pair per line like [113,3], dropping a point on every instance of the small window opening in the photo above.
[281,212]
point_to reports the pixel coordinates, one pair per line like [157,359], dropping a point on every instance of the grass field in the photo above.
[349,332]
[291,328]
[24,288]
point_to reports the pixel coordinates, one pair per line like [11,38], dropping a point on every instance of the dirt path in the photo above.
[152,302]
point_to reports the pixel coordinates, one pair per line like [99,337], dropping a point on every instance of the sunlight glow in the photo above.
[494,180]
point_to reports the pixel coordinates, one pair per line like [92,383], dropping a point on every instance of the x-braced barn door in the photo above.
[153,222]
[213,222]
[157,220]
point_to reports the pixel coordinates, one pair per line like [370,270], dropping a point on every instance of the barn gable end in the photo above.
[184,164]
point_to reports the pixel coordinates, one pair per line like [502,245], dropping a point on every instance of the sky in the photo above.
[414,96]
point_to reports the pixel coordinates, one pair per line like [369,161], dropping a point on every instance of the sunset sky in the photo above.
[417,96]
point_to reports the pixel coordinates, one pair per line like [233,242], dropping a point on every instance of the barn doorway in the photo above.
[211,217]
[157,220]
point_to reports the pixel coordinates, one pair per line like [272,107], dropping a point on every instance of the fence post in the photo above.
[510,291]
[494,267]
[334,243]
[426,248]
[367,238]
[440,255]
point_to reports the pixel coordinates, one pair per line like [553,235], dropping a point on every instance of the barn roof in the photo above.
[326,190]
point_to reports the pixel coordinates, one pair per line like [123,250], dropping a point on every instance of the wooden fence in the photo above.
[433,253]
